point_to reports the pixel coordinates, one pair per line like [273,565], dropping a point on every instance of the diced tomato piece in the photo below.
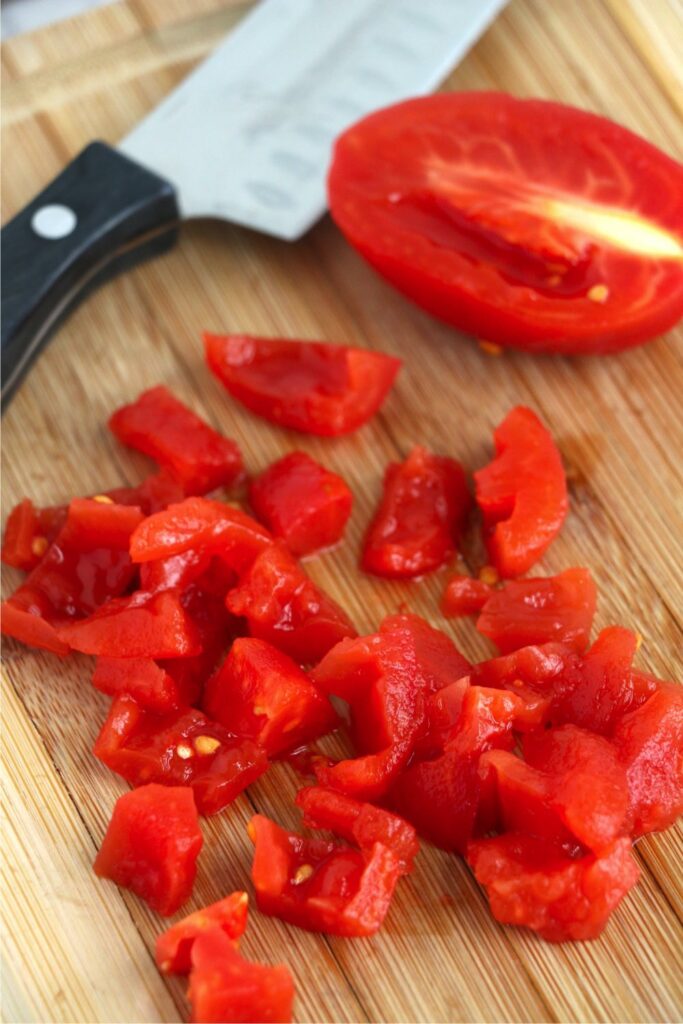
[152,844]
[537,611]
[261,694]
[227,989]
[387,678]
[174,946]
[534,883]
[530,224]
[143,625]
[440,797]
[319,885]
[649,741]
[464,596]
[421,514]
[360,823]
[310,386]
[593,690]
[182,748]
[571,790]
[86,566]
[284,606]
[302,502]
[202,526]
[21,531]
[154,494]
[522,494]
[150,685]
[159,425]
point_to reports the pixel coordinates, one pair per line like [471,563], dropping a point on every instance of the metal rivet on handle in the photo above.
[54,221]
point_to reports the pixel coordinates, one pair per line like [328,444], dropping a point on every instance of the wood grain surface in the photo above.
[78,949]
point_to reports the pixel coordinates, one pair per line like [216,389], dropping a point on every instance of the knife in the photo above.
[246,137]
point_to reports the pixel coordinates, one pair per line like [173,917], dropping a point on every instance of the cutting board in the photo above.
[78,949]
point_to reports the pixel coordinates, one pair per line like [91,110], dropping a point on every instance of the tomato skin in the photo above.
[534,883]
[347,892]
[227,989]
[159,425]
[261,694]
[21,530]
[447,197]
[142,679]
[302,503]
[87,565]
[541,610]
[152,844]
[283,606]
[311,386]
[649,741]
[522,493]
[420,516]
[172,750]
[172,951]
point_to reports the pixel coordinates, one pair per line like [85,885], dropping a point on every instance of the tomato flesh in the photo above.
[309,386]
[173,947]
[535,883]
[319,885]
[196,455]
[261,694]
[152,844]
[182,748]
[301,502]
[283,606]
[525,222]
[227,989]
[420,516]
[522,493]
[536,611]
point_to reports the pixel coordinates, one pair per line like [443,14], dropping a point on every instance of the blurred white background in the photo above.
[25,15]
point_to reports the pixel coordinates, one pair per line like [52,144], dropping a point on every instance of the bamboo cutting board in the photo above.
[78,949]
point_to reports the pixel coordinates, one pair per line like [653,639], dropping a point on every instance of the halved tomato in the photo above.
[525,222]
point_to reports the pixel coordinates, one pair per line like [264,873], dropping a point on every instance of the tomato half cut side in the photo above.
[526,222]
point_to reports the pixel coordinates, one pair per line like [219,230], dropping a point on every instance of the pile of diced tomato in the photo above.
[540,766]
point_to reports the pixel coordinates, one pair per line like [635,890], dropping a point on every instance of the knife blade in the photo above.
[246,137]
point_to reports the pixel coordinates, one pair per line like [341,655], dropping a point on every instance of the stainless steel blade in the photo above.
[247,136]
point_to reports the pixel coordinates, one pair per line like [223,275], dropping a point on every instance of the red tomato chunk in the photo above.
[534,883]
[152,844]
[541,610]
[522,221]
[420,517]
[387,678]
[310,386]
[464,596]
[301,502]
[319,885]
[160,426]
[522,494]
[173,947]
[87,564]
[227,989]
[261,694]
[183,748]
[283,606]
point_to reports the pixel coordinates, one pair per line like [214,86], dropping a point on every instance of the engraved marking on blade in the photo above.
[293,163]
[269,195]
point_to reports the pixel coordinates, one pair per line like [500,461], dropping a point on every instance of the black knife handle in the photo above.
[103,213]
